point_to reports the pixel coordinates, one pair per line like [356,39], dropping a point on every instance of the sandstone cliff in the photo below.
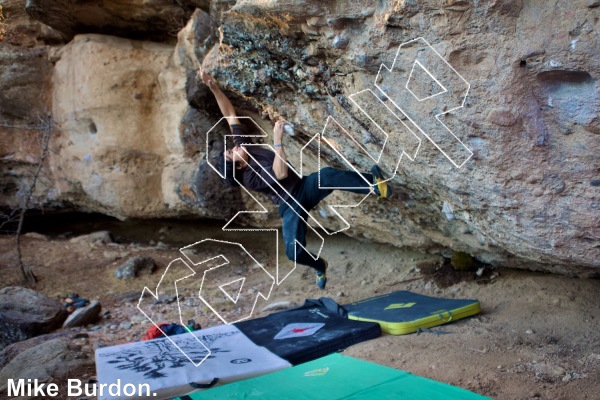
[517,186]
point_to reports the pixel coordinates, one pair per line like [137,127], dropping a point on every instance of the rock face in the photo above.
[25,313]
[155,19]
[24,95]
[511,179]
[527,193]
[121,130]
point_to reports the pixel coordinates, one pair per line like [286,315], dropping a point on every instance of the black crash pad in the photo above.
[302,334]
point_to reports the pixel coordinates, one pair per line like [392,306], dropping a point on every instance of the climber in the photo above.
[258,169]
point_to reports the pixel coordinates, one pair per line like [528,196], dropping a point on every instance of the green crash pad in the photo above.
[404,312]
[337,377]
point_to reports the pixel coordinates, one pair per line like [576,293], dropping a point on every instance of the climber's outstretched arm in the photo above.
[280,167]
[225,105]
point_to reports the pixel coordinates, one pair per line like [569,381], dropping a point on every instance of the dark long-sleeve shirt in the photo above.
[259,175]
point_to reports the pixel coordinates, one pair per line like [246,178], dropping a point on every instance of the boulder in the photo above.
[25,313]
[134,267]
[507,173]
[56,359]
[84,316]
[13,350]
[100,237]
[524,109]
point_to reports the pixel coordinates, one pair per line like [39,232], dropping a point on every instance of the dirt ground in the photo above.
[537,337]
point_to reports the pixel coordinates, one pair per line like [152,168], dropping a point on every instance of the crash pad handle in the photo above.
[204,385]
[441,315]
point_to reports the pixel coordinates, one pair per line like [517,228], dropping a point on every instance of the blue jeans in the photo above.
[308,194]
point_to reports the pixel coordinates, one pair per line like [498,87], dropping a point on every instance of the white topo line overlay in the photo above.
[458,93]
[156,324]
[410,148]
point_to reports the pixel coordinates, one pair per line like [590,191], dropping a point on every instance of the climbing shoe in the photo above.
[322,276]
[382,190]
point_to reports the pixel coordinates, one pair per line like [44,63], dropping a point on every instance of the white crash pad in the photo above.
[168,371]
